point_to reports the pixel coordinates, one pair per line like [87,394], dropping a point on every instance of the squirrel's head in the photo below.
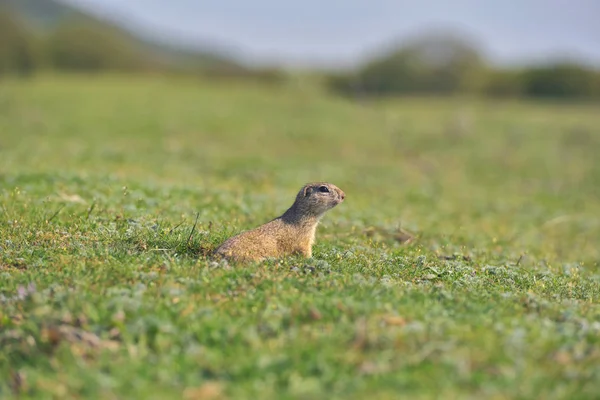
[318,197]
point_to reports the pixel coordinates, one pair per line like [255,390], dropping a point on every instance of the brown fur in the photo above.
[291,233]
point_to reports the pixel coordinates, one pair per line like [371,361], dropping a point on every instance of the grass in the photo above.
[114,190]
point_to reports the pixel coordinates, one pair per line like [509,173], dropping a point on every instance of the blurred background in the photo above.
[137,135]
[472,121]
[527,49]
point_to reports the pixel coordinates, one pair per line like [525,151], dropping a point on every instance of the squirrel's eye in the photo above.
[324,189]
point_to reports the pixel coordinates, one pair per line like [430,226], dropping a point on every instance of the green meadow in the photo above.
[464,263]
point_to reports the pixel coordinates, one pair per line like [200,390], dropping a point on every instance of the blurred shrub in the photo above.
[560,80]
[503,83]
[19,49]
[230,71]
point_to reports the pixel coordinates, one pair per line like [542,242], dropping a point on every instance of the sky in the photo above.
[345,32]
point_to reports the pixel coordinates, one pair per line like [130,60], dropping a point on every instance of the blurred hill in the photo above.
[52,35]
[46,17]
[42,13]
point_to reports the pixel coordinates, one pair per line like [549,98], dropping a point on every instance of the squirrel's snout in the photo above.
[342,195]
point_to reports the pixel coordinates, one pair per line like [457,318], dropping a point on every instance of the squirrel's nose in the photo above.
[342,195]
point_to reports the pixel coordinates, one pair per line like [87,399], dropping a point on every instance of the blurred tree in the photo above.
[434,63]
[85,46]
[19,53]
[561,80]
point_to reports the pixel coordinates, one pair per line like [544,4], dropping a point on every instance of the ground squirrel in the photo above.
[291,233]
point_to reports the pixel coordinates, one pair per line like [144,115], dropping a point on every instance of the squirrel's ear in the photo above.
[307,191]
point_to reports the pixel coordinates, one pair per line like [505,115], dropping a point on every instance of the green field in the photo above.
[114,190]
